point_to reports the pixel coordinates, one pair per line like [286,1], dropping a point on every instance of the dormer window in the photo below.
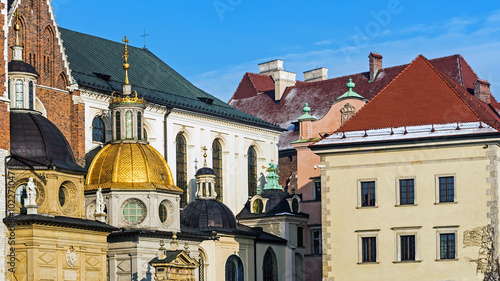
[258,206]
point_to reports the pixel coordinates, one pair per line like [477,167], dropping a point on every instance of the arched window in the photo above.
[201,267]
[118,123]
[31,96]
[181,166]
[234,269]
[252,171]
[217,166]
[128,124]
[270,266]
[98,130]
[19,94]
[139,125]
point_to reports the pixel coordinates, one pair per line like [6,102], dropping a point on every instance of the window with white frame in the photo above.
[367,193]
[446,242]
[407,249]
[446,189]
[368,246]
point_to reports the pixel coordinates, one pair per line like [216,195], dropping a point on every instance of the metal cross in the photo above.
[195,164]
[144,35]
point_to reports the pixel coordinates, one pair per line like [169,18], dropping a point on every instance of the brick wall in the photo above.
[287,164]
[42,50]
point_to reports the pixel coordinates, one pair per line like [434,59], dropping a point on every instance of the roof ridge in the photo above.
[378,94]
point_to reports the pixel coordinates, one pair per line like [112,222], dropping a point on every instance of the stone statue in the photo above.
[99,203]
[31,192]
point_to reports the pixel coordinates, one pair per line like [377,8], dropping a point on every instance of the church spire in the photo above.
[127,111]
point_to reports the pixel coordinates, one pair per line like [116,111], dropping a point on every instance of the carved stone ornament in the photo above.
[347,109]
[71,257]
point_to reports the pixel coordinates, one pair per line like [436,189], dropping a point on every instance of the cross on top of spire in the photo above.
[204,156]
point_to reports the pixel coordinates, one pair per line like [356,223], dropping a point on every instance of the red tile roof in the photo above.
[421,95]
[255,93]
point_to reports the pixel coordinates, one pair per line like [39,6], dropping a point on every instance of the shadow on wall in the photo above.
[149,275]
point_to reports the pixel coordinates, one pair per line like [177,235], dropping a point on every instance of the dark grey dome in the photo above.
[37,142]
[276,202]
[205,171]
[207,213]
[21,66]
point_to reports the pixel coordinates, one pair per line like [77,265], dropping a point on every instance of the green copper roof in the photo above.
[350,93]
[96,63]
[272,178]
[306,116]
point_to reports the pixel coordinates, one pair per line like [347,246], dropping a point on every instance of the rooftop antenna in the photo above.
[144,35]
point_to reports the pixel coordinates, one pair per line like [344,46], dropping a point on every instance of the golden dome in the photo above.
[130,166]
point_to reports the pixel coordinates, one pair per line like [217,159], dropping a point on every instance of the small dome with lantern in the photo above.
[272,200]
[206,212]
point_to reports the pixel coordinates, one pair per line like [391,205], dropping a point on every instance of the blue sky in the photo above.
[214,42]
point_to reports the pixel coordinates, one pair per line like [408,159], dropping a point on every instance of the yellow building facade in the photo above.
[346,222]
[410,183]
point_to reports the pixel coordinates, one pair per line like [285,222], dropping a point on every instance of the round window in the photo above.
[163,213]
[63,192]
[258,206]
[134,211]
[295,205]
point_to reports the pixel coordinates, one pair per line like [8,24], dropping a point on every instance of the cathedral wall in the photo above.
[4,133]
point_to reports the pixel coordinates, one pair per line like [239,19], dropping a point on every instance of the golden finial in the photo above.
[17,27]
[205,156]
[126,66]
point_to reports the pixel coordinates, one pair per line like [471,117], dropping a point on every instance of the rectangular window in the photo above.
[407,247]
[300,236]
[447,246]
[406,191]
[316,241]
[367,193]
[369,250]
[317,190]
[446,189]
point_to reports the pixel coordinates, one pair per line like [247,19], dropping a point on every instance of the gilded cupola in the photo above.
[128,162]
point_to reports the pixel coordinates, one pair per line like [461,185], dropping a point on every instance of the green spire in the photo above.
[350,93]
[272,178]
[306,116]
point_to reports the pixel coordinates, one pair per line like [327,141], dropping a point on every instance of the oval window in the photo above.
[258,206]
[63,192]
[163,213]
[295,205]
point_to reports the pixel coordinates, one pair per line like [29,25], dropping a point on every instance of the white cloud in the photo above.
[468,36]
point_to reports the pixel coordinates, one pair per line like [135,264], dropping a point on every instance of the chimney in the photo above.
[375,64]
[318,74]
[282,79]
[482,90]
